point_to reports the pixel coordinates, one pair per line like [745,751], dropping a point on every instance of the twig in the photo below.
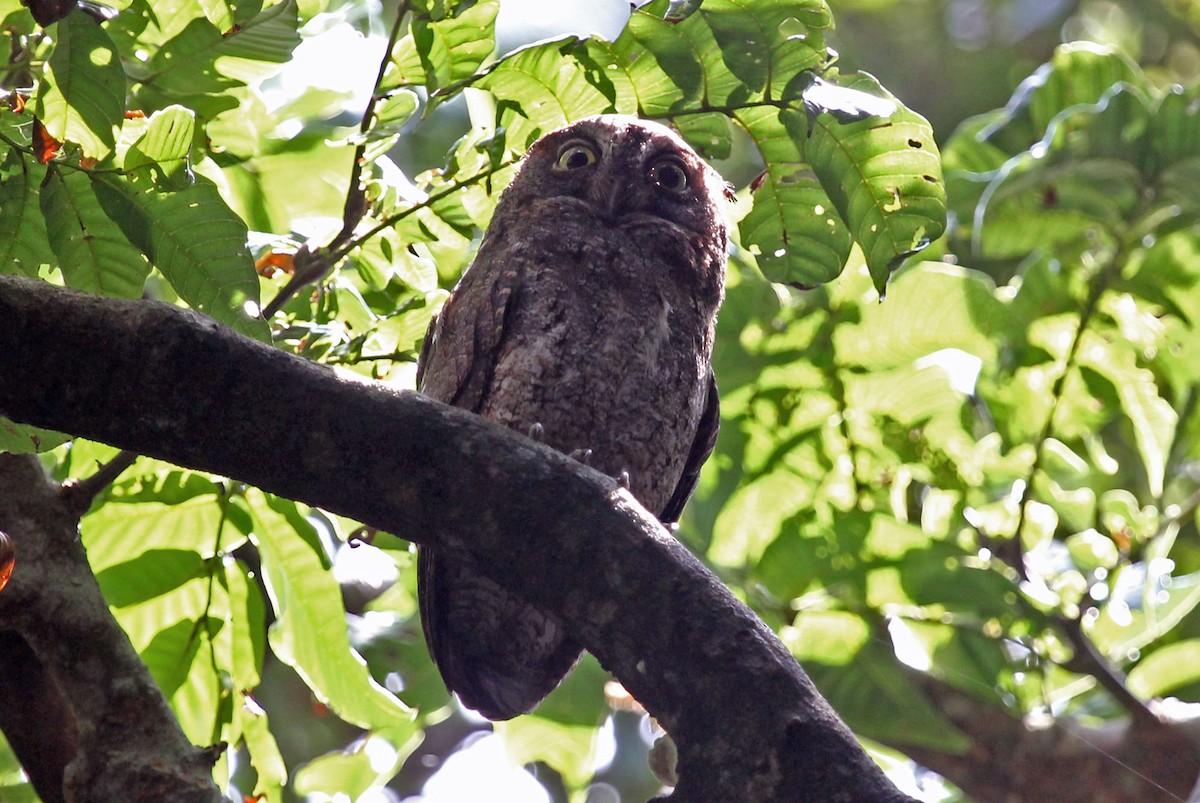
[81,493]
[355,208]
[1087,660]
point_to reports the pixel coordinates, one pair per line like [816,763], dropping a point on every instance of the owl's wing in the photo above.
[458,356]
[500,654]
[702,446]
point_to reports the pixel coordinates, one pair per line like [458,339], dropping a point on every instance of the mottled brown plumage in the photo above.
[587,315]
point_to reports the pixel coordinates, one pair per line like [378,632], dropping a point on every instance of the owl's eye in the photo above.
[670,175]
[575,156]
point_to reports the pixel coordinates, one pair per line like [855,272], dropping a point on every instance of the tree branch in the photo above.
[81,493]
[79,708]
[172,384]
[1151,762]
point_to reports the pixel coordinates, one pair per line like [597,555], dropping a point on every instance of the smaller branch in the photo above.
[355,208]
[312,266]
[80,494]
[392,220]
[406,355]
[356,203]
[1088,660]
[86,711]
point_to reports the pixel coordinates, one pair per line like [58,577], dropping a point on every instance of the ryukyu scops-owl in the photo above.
[587,318]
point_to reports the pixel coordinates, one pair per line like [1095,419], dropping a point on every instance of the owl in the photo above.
[585,321]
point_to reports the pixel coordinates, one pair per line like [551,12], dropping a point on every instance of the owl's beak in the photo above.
[614,194]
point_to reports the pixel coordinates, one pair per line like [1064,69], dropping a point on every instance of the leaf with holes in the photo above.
[792,228]
[884,177]
[730,53]
[766,45]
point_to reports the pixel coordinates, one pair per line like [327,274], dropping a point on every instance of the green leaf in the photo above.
[907,394]
[1090,550]
[165,143]
[884,178]
[1152,417]
[704,59]
[218,13]
[1175,126]
[1077,76]
[707,132]
[545,86]
[765,45]
[309,633]
[199,65]
[397,108]
[863,677]
[753,516]
[930,307]
[179,512]
[1167,668]
[151,574]
[246,628]
[436,54]
[23,243]
[1116,634]
[173,635]
[26,439]
[365,766]
[793,229]
[264,752]
[93,253]
[195,240]
[82,99]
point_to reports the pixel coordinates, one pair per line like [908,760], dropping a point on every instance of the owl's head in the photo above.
[626,172]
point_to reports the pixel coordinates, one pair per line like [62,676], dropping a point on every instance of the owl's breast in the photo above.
[606,365]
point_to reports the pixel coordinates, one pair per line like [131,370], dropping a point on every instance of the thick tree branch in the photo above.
[163,382]
[79,708]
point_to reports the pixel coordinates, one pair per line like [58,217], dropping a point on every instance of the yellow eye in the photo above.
[574,156]
[670,175]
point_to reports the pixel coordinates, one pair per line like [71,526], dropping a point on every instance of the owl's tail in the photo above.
[500,654]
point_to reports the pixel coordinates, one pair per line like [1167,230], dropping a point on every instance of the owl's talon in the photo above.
[582,456]
[623,479]
[537,432]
